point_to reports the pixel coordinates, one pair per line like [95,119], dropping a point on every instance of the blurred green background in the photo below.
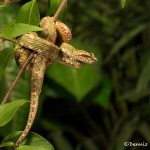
[99,106]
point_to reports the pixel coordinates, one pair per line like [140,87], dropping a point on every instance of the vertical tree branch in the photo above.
[17,78]
[59,10]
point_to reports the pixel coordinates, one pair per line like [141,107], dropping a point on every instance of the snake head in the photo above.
[85,57]
[69,61]
[78,55]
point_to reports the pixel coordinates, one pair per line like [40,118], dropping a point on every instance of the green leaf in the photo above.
[8,110]
[127,37]
[144,129]
[7,14]
[54,4]
[61,141]
[127,129]
[29,14]
[79,82]
[144,77]
[133,95]
[7,144]
[103,96]
[4,58]
[123,2]
[33,141]
[13,30]
[38,147]
[2,5]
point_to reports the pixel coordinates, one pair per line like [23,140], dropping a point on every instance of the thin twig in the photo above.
[7,39]
[17,78]
[59,10]
[6,2]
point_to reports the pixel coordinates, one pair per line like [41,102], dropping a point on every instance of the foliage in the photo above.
[100,106]
[123,2]
[35,141]
[8,110]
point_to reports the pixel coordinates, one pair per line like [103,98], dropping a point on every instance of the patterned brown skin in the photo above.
[21,55]
[31,42]
[38,72]
[49,32]
[67,54]
[47,52]
[63,33]
[78,55]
